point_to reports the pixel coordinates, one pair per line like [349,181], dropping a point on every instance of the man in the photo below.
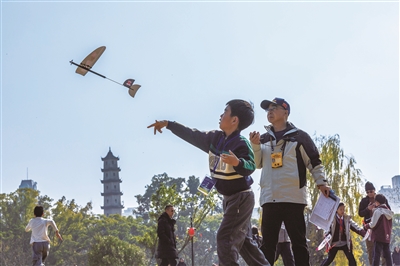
[166,250]
[40,241]
[365,210]
[284,153]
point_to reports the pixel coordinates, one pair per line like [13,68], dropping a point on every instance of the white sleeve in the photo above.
[257,155]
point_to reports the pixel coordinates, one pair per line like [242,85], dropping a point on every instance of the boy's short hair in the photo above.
[380,198]
[38,211]
[243,110]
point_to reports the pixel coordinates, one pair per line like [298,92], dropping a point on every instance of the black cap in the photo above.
[278,101]
[369,186]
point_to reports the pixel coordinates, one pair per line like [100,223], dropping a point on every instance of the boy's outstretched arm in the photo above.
[158,125]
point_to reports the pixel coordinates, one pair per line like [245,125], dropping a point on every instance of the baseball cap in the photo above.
[278,101]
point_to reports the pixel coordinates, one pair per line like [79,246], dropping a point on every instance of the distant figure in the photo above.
[381,225]
[396,256]
[166,250]
[283,248]
[365,210]
[181,262]
[341,237]
[40,241]
[256,236]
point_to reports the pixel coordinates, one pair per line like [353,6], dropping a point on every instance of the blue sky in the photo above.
[336,63]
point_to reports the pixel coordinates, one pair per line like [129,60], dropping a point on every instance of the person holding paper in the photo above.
[231,162]
[284,153]
[341,237]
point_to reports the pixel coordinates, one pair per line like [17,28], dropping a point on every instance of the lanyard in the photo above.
[272,146]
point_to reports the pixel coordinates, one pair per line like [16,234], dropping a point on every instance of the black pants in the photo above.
[292,215]
[382,248]
[332,254]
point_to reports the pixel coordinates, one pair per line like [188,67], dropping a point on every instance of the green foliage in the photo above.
[16,209]
[190,205]
[110,251]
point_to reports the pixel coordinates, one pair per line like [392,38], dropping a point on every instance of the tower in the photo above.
[111,185]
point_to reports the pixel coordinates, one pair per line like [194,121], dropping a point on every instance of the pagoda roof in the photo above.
[110,156]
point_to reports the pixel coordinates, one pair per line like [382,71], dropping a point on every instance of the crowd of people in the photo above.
[283,153]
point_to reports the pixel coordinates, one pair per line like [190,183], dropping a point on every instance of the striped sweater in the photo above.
[229,179]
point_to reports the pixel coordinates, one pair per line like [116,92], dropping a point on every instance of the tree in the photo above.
[16,209]
[188,203]
[345,180]
[110,251]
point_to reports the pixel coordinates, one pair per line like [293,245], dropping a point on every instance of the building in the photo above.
[129,212]
[392,193]
[111,185]
[28,183]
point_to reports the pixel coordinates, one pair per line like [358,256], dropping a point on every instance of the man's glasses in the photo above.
[273,108]
[370,191]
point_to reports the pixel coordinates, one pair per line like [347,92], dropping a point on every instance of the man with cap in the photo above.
[365,209]
[284,153]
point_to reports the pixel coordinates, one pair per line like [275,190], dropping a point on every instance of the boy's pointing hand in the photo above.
[158,125]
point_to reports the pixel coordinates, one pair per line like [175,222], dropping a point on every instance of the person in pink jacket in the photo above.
[381,226]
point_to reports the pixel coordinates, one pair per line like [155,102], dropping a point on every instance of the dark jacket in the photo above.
[363,210]
[396,257]
[166,237]
[229,179]
[381,224]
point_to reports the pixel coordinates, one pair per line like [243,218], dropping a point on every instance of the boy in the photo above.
[40,241]
[341,237]
[231,162]
[381,226]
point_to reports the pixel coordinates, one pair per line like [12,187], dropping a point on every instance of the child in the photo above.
[381,225]
[256,236]
[40,241]
[231,162]
[396,256]
[341,237]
